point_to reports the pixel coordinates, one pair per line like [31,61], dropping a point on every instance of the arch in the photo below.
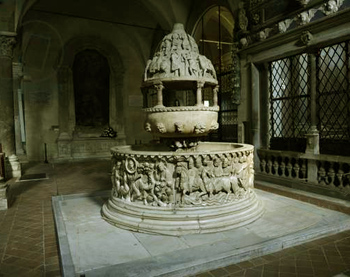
[213,32]
[91,89]
[67,119]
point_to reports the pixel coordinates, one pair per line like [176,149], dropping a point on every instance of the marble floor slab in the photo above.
[92,247]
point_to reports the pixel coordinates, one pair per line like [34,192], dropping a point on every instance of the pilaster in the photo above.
[7,123]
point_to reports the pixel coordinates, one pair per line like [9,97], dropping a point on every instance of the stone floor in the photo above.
[28,243]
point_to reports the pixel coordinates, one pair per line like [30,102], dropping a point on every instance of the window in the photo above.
[289,103]
[91,90]
[214,36]
[333,102]
[290,112]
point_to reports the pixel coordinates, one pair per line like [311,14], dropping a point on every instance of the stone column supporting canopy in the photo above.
[200,85]
[159,87]
[215,96]
[7,131]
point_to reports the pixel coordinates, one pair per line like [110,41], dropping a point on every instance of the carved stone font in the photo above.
[191,186]
[194,179]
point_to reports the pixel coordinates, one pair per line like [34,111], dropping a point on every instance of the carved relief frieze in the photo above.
[179,56]
[193,180]
[301,19]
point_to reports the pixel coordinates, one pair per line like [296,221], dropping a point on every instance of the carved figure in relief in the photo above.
[206,67]
[177,41]
[199,128]
[116,177]
[207,176]
[221,182]
[176,64]
[182,181]
[179,127]
[143,187]
[332,6]
[155,64]
[161,127]
[163,183]
[164,66]
[186,43]
[148,127]
[195,180]
[129,178]
[191,64]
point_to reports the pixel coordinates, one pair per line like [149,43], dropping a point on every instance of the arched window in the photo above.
[91,90]
[214,36]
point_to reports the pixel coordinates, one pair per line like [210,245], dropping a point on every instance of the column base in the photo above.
[4,197]
[13,167]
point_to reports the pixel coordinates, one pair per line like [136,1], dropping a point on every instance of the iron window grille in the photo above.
[289,103]
[333,99]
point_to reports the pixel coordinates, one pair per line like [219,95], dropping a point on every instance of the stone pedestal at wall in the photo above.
[79,148]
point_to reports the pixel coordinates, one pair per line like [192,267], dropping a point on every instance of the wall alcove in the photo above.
[90,82]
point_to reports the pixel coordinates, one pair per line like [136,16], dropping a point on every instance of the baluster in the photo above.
[283,169]
[296,169]
[263,166]
[275,166]
[322,180]
[289,169]
[303,170]
[269,166]
[340,175]
[331,175]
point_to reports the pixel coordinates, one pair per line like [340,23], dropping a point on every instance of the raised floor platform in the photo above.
[92,247]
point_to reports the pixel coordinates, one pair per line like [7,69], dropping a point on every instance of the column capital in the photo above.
[200,83]
[7,43]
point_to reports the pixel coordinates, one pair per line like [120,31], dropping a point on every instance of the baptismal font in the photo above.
[181,185]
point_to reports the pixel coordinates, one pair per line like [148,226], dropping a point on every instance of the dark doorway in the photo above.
[91,89]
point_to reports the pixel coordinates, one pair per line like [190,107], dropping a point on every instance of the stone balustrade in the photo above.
[326,172]
[283,164]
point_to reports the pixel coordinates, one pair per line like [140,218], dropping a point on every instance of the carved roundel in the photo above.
[130,165]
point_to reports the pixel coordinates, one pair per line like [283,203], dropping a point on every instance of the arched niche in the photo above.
[91,91]
[74,141]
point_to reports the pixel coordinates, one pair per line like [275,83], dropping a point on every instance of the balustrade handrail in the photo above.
[306,156]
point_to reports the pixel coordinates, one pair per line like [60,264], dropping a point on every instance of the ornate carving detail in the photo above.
[194,180]
[214,125]
[303,2]
[181,108]
[242,20]
[332,6]
[284,25]
[256,18]
[148,127]
[6,45]
[178,56]
[161,128]
[306,37]
[305,17]
[264,34]
[179,127]
[199,128]
[243,42]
